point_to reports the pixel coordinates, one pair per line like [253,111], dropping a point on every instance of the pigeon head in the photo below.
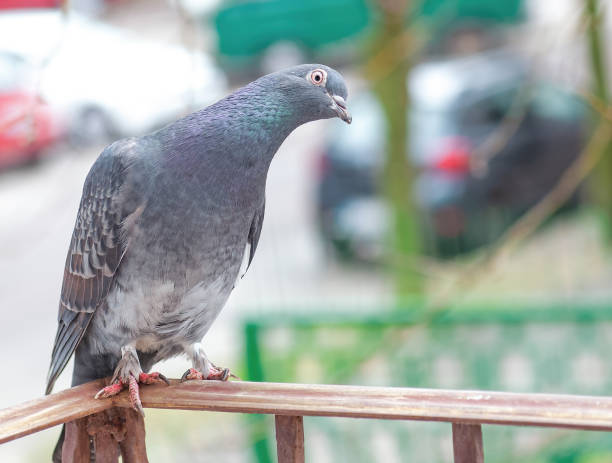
[261,115]
[313,90]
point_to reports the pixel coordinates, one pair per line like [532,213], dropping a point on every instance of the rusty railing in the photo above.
[96,422]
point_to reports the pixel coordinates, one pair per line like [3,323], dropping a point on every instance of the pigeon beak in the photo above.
[339,106]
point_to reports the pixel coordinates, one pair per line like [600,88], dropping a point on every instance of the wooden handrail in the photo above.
[459,407]
[45,412]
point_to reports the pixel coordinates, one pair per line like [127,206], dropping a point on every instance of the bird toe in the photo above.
[219,374]
[191,373]
[110,390]
[135,395]
[153,378]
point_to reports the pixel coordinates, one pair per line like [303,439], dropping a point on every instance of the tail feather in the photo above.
[57,451]
[70,331]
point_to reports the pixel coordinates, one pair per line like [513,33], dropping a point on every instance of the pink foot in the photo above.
[110,390]
[132,384]
[192,373]
[216,373]
[152,378]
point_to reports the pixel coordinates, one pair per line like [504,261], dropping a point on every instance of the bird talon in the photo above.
[164,379]
[134,390]
[135,395]
[224,376]
[219,374]
[153,378]
[110,390]
[191,373]
[216,373]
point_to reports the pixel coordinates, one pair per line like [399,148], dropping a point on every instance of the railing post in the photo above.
[107,434]
[76,442]
[467,443]
[133,447]
[289,438]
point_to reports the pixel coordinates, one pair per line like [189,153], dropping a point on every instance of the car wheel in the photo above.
[92,125]
[34,158]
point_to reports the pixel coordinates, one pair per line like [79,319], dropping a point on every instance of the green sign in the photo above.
[488,10]
[246,28]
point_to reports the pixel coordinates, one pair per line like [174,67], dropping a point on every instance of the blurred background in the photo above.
[456,235]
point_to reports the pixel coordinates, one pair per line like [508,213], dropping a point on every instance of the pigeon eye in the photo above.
[318,77]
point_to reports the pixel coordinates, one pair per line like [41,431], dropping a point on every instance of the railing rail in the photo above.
[466,410]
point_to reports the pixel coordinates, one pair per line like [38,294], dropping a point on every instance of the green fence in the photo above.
[550,350]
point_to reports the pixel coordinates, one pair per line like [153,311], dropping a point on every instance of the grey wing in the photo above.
[96,249]
[255,231]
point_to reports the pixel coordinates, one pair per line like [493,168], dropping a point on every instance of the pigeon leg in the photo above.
[204,368]
[128,373]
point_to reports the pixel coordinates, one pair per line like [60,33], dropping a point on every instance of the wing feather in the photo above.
[94,255]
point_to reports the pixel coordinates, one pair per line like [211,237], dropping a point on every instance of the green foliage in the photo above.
[601,184]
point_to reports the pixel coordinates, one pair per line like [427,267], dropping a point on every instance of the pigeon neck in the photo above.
[262,119]
[243,130]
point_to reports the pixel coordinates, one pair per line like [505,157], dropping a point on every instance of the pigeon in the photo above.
[168,222]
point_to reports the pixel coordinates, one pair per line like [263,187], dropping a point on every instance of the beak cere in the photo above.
[339,106]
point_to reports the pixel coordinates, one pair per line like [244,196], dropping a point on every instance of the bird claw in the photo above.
[153,378]
[135,395]
[226,372]
[216,373]
[132,385]
[110,390]
[191,373]
[219,374]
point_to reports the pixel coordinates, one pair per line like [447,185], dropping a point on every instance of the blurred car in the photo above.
[106,82]
[20,4]
[466,196]
[28,126]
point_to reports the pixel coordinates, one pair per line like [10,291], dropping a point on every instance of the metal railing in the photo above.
[466,410]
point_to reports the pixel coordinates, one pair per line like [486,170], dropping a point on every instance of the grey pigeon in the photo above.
[166,224]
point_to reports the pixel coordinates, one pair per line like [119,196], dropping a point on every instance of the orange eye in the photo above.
[318,76]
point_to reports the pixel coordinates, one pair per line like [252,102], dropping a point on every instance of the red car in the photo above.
[27,126]
[19,4]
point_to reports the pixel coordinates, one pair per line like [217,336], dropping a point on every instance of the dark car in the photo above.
[483,156]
